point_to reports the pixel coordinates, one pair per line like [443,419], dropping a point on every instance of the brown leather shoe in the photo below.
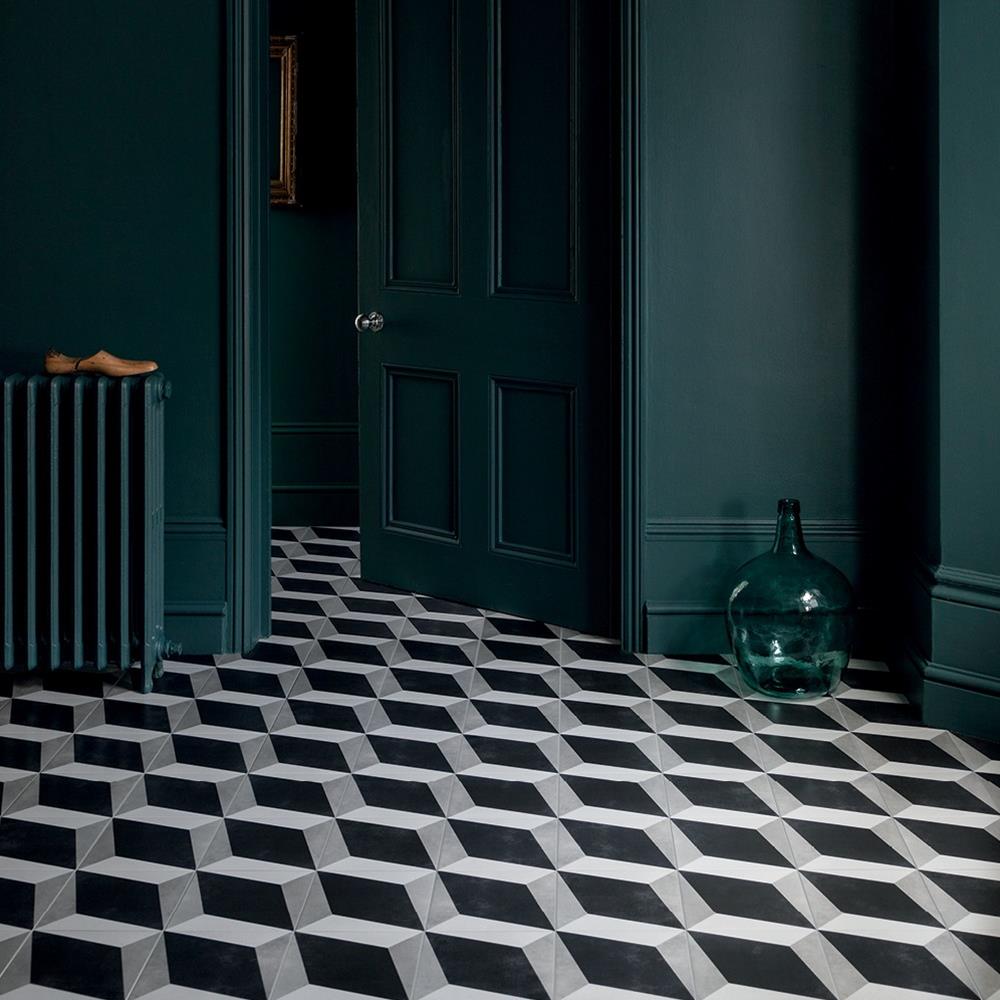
[100,363]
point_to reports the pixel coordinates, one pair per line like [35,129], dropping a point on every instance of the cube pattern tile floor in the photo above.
[396,796]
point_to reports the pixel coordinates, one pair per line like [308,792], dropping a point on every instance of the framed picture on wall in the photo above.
[283,100]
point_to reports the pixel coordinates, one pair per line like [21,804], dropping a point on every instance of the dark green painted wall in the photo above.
[763,285]
[112,215]
[313,280]
[951,620]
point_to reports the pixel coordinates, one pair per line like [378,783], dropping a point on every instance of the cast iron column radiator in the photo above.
[81,529]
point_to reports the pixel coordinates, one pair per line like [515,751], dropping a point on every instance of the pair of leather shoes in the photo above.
[101,363]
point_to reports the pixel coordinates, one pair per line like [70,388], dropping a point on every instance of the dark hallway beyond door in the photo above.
[313,276]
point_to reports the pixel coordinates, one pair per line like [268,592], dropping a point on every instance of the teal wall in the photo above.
[764,167]
[112,215]
[951,620]
[313,281]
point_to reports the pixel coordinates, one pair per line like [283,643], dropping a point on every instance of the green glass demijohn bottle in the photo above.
[790,616]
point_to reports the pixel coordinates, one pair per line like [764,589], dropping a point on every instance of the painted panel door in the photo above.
[484,144]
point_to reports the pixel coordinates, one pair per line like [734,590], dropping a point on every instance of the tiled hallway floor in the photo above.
[400,797]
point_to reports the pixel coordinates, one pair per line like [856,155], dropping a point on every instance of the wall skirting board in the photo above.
[689,564]
[196,549]
[951,658]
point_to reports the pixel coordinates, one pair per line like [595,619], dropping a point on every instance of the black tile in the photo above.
[593,713]
[517,682]
[77,966]
[940,794]
[744,898]
[495,966]
[957,840]
[339,682]
[714,753]
[372,606]
[616,843]
[828,794]
[694,682]
[602,651]
[510,753]
[351,652]
[500,843]
[351,626]
[606,793]
[519,652]
[216,966]
[369,899]
[732,842]
[720,794]
[346,965]
[297,796]
[605,681]
[834,840]
[402,713]
[325,715]
[905,966]
[436,606]
[521,627]
[397,793]
[439,626]
[785,713]
[408,753]
[43,715]
[977,895]
[687,713]
[816,753]
[176,793]
[907,751]
[308,753]
[234,898]
[276,844]
[151,842]
[514,716]
[623,966]
[384,843]
[612,897]
[761,966]
[613,753]
[492,899]
[126,900]
[65,792]
[498,793]
[435,652]
[428,681]
[869,898]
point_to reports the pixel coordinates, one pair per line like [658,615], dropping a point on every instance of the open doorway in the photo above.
[471,430]
[312,264]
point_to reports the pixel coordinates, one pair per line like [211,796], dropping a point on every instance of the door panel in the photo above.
[484,202]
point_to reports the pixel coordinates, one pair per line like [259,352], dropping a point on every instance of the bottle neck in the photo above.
[788,538]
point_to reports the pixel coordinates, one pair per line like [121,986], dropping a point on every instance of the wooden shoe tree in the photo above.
[101,363]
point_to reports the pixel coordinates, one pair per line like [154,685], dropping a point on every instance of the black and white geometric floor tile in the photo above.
[397,796]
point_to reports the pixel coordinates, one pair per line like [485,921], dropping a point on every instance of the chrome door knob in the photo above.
[369,322]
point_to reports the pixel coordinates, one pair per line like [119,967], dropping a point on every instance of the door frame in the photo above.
[247,203]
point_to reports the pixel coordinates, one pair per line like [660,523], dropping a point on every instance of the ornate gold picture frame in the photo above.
[283,77]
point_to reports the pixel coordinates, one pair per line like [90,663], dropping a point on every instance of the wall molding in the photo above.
[314,488]
[948,697]
[248,403]
[957,585]
[185,526]
[631,507]
[281,427]
[723,528]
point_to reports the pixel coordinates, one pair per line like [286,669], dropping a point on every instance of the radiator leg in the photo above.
[142,678]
